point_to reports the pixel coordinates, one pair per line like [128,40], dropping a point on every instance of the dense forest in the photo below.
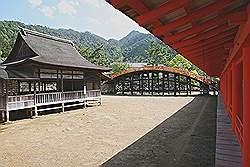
[136,47]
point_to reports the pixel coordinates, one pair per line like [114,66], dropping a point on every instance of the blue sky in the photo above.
[95,16]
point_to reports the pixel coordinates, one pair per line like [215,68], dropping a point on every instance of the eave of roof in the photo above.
[197,29]
[11,74]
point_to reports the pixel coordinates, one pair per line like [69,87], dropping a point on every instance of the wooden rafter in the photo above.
[195,15]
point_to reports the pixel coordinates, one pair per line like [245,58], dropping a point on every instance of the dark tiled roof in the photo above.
[53,51]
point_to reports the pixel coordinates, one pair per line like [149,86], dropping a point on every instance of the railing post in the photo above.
[62,106]
[7,110]
[36,113]
[100,94]
[7,115]
[7,100]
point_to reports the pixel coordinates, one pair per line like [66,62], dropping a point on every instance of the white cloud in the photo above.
[94,3]
[36,3]
[48,11]
[95,22]
[67,7]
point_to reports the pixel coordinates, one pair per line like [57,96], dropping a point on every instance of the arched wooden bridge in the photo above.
[157,80]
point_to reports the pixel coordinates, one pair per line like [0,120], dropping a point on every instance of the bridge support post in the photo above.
[122,86]
[175,85]
[163,84]
[132,85]
[246,106]
[168,85]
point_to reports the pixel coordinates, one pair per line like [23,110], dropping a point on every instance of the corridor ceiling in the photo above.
[206,32]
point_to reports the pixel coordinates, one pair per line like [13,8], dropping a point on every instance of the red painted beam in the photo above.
[207,50]
[219,20]
[237,18]
[201,36]
[197,14]
[210,63]
[218,57]
[164,9]
[219,37]
[195,29]
[215,51]
[211,47]
[229,45]
[119,3]
[138,6]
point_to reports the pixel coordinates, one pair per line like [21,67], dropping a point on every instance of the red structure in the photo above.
[214,35]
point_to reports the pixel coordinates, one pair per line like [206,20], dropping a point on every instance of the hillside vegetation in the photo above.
[135,47]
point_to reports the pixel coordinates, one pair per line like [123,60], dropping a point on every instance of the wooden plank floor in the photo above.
[228,152]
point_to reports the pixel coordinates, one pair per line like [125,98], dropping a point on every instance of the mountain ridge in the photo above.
[130,48]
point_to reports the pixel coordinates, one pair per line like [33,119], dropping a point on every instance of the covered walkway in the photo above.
[228,152]
[215,36]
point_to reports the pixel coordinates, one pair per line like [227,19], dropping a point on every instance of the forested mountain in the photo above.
[116,54]
[131,48]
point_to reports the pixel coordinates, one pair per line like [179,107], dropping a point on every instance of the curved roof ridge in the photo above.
[25,31]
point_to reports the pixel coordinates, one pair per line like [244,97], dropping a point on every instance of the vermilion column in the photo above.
[235,94]
[246,107]
[225,94]
[229,89]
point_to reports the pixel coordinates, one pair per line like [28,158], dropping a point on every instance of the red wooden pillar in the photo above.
[230,90]
[235,93]
[246,107]
[225,95]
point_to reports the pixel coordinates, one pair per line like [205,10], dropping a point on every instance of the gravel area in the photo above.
[186,139]
[104,135]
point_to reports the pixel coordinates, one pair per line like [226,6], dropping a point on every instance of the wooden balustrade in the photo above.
[239,129]
[20,101]
[31,100]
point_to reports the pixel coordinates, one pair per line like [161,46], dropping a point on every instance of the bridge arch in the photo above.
[157,80]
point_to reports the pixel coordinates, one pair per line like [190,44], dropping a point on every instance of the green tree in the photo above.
[97,56]
[158,54]
[118,67]
[180,62]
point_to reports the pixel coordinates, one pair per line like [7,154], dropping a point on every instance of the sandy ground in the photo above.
[186,139]
[84,137]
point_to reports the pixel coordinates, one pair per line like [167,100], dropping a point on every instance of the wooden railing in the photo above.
[93,93]
[20,101]
[31,100]
[45,98]
[73,95]
[239,129]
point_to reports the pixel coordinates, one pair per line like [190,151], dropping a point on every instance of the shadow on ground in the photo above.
[186,139]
